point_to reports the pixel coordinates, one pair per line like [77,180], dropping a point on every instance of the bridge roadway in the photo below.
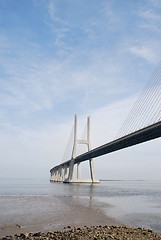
[140,136]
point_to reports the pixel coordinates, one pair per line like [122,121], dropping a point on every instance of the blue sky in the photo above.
[61,57]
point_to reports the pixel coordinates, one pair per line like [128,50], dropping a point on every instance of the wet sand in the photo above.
[72,221]
[74,215]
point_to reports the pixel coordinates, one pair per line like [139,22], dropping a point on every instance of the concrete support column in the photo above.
[71,166]
[78,171]
[92,170]
[65,171]
[62,173]
[71,171]
[57,175]
[53,176]
[89,148]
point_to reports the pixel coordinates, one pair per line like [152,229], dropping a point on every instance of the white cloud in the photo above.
[143,52]
[150,15]
[112,19]
[148,50]
[151,27]
[51,9]
[43,84]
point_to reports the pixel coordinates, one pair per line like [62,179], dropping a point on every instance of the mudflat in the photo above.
[75,216]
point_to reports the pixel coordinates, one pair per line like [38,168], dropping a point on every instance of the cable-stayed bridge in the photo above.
[141,125]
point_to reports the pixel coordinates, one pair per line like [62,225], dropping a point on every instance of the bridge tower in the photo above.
[71,175]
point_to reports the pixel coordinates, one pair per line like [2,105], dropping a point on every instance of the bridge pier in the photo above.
[59,174]
[54,175]
[78,171]
[92,170]
[65,172]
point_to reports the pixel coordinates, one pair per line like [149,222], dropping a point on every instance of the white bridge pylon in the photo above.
[65,172]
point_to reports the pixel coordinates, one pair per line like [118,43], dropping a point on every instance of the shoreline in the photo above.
[90,232]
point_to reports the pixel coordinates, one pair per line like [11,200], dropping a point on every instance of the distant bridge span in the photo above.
[143,135]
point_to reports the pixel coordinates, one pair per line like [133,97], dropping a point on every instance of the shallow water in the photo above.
[29,201]
[136,203]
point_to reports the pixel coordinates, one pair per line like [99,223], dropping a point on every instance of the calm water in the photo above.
[136,203]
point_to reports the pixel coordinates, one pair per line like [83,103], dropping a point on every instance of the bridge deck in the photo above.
[140,136]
